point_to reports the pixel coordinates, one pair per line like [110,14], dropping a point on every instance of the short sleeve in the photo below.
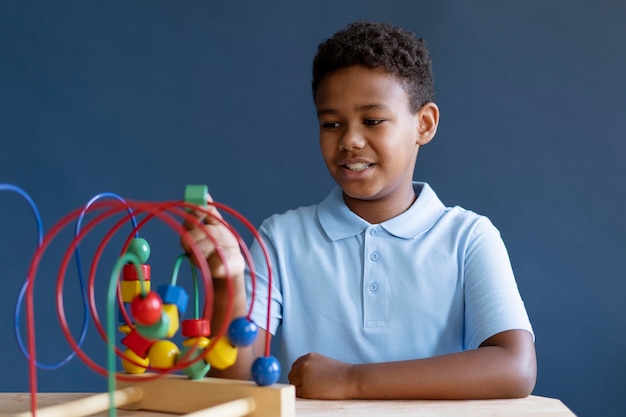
[492,300]
[258,284]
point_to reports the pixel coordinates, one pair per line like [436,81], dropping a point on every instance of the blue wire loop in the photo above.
[22,293]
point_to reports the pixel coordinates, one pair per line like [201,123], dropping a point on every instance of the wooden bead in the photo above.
[174,322]
[197,369]
[201,342]
[137,343]
[125,328]
[140,248]
[196,194]
[223,354]
[265,370]
[173,294]
[196,328]
[242,331]
[146,310]
[163,354]
[130,367]
[131,289]
[156,331]
[129,272]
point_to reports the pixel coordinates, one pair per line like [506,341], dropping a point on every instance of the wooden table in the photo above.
[531,406]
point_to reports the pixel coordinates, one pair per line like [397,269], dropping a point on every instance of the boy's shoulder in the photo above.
[298,215]
[333,217]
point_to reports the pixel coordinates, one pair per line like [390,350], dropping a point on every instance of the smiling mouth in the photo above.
[358,166]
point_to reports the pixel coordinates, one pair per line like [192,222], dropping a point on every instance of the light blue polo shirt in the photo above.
[431,281]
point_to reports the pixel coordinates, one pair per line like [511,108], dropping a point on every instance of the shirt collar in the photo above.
[339,222]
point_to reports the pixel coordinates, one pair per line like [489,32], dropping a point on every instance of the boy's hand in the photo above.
[320,377]
[222,237]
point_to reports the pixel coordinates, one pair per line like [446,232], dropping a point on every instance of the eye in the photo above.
[330,125]
[372,122]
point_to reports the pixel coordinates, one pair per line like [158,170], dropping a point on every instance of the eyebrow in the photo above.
[364,107]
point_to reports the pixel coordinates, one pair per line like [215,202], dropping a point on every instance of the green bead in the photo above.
[198,369]
[196,194]
[155,331]
[140,248]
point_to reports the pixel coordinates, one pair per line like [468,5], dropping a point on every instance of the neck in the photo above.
[379,210]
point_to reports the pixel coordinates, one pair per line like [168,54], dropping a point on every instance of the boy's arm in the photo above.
[208,233]
[245,355]
[504,366]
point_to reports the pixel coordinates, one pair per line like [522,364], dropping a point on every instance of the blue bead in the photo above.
[265,370]
[242,331]
[173,294]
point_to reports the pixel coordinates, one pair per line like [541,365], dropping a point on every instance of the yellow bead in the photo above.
[223,355]
[163,354]
[131,289]
[125,328]
[201,342]
[130,367]
[172,311]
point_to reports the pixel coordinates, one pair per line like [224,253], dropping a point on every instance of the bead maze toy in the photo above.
[155,369]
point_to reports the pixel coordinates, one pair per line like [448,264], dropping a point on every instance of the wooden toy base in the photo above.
[177,394]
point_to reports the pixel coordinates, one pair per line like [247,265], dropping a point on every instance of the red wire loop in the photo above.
[169,213]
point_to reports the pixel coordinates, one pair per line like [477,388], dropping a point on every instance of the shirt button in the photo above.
[373,287]
[374,231]
[374,256]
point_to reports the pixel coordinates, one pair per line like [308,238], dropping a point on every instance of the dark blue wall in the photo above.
[141,98]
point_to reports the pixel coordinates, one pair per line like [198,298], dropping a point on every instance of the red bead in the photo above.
[196,328]
[146,310]
[137,343]
[129,272]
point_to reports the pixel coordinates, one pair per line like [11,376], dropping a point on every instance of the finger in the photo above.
[205,213]
[294,377]
[228,263]
[193,219]
[295,372]
[213,216]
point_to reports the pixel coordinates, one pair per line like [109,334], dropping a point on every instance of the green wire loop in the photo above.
[111,302]
[196,295]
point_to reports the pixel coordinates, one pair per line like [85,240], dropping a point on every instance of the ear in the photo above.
[427,122]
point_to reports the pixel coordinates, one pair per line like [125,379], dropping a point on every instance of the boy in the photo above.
[380,291]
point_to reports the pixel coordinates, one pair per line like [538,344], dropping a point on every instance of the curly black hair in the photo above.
[384,46]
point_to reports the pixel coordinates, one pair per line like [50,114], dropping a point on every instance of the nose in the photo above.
[351,138]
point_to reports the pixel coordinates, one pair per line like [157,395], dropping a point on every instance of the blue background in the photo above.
[141,98]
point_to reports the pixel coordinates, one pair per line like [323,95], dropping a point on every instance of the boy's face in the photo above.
[368,137]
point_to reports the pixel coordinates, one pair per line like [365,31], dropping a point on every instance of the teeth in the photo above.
[357,167]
